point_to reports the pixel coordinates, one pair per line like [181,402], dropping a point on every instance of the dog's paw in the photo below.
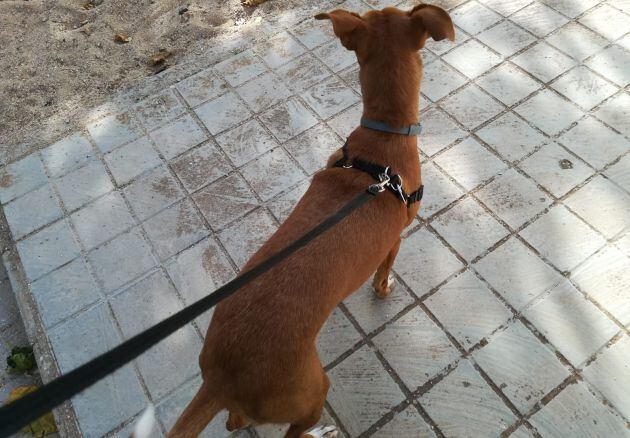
[383,289]
[323,432]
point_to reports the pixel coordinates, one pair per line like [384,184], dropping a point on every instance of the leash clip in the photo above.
[380,186]
[396,186]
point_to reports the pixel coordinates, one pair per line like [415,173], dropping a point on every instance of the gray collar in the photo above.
[414,129]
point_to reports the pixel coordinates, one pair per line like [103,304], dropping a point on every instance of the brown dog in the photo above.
[259,359]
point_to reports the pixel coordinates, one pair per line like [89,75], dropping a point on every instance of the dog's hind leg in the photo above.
[235,421]
[199,412]
[383,282]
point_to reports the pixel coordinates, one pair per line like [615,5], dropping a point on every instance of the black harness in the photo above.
[382,174]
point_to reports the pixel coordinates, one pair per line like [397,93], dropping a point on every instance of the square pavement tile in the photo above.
[555,169]
[616,113]
[347,121]
[246,142]
[175,228]
[336,337]
[524,279]
[278,50]
[549,112]
[562,238]
[335,56]
[198,271]
[407,423]
[613,63]
[330,97]
[131,160]
[200,167]
[438,80]
[361,391]
[153,192]
[472,58]
[243,238]
[621,4]
[281,206]
[351,75]
[157,110]
[225,200]
[438,131]
[571,323]
[240,68]
[100,408]
[584,87]
[473,17]
[443,191]
[594,142]
[263,92]
[64,292]
[67,154]
[506,7]
[416,348]
[462,404]
[571,8]
[135,311]
[577,412]
[514,198]
[47,249]
[303,72]
[423,262]
[122,259]
[83,185]
[513,360]
[605,277]
[544,62]
[288,119]
[272,173]
[467,309]
[508,84]
[177,137]
[372,312]
[102,220]
[469,228]
[603,205]
[313,33]
[313,148]
[222,113]
[506,38]
[607,21]
[32,211]
[620,173]
[565,40]
[523,139]
[471,106]
[470,163]
[539,19]
[21,177]
[113,131]
[625,41]
[609,374]
[201,87]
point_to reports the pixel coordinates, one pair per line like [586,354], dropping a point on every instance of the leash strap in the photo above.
[21,412]
[377,125]
[376,171]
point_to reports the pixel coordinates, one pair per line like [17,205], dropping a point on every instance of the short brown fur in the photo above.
[259,359]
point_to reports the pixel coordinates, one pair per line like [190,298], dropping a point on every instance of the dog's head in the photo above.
[389,32]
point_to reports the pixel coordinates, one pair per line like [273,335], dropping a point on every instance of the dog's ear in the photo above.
[348,26]
[431,21]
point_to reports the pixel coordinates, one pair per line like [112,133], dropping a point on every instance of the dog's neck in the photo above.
[391,93]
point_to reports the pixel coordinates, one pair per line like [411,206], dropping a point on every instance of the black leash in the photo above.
[21,412]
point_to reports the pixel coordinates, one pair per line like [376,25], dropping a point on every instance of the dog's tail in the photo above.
[199,412]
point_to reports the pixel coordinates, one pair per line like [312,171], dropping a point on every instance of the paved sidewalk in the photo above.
[512,305]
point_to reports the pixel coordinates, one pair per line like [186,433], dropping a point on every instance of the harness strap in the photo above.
[375,171]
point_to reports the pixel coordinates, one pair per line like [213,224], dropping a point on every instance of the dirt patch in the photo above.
[59,57]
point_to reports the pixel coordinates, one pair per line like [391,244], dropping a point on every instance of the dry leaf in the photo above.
[122,38]
[159,57]
[44,425]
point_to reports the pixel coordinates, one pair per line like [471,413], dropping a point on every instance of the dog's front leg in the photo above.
[383,282]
